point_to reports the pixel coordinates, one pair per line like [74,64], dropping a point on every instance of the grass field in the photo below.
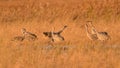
[77,51]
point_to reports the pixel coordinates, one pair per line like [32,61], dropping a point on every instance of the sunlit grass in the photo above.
[77,51]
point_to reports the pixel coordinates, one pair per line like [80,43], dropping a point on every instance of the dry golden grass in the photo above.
[77,51]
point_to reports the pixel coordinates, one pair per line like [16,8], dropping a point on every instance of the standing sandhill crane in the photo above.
[55,36]
[29,36]
[90,35]
[102,36]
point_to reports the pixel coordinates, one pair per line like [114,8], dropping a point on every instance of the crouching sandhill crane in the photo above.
[102,36]
[90,35]
[28,35]
[55,36]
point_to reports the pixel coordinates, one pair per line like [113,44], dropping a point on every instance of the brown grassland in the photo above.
[77,51]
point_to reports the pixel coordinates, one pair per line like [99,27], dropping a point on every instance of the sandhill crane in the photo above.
[102,36]
[55,36]
[90,35]
[29,36]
